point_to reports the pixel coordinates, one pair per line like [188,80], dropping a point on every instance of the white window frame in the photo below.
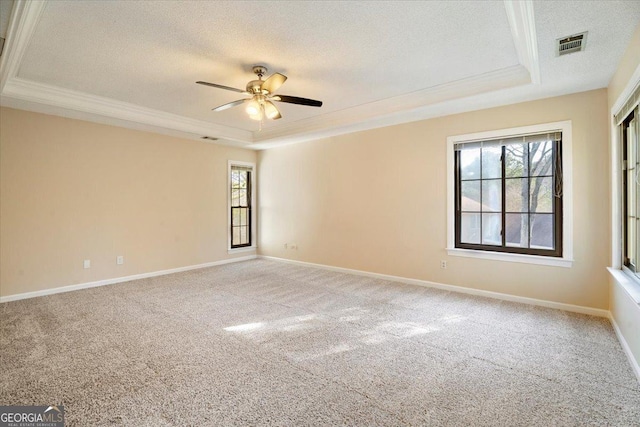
[567,195]
[254,210]
[629,282]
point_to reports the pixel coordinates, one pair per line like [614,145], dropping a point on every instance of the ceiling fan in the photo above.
[261,105]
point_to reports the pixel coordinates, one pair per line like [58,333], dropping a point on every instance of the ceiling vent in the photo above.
[210,138]
[570,44]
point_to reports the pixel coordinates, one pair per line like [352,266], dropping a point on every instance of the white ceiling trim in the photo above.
[409,107]
[336,122]
[523,29]
[27,90]
[24,18]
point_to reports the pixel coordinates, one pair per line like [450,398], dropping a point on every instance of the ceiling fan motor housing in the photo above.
[254,87]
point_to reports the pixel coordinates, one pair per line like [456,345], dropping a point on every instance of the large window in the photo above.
[241,205]
[507,195]
[631,189]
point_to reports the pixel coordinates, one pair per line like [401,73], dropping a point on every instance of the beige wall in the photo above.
[625,311]
[376,201]
[626,68]
[72,190]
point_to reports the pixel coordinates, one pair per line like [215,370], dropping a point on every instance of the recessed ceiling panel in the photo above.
[344,53]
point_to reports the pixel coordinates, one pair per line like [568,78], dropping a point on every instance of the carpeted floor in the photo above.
[269,343]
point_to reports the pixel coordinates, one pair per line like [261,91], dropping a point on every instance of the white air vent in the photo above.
[570,44]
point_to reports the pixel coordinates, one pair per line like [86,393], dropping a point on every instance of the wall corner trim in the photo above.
[453,288]
[115,280]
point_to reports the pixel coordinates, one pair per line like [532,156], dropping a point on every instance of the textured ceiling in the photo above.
[343,53]
[372,63]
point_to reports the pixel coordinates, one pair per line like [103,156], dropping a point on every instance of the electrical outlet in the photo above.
[119,260]
[443,264]
[86,263]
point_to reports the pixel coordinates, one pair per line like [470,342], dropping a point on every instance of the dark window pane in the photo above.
[542,231]
[240,207]
[492,195]
[470,228]
[516,160]
[510,206]
[491,227]
[491,164]
[542,194]
[517,226]
[470,196]
[517,194]
[470,163]
[541,155]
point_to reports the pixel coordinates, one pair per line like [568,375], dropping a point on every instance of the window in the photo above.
[508,195]
[630,166]
[625,169]
[241,201]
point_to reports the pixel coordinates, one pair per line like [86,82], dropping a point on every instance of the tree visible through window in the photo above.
[508,194]
[240,206]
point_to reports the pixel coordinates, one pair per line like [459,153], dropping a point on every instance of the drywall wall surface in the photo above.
[72,190]
[626,313]
[377,201]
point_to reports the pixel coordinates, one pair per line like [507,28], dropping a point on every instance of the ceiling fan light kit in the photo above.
[262,92]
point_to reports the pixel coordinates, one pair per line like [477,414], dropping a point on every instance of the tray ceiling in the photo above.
[134,63]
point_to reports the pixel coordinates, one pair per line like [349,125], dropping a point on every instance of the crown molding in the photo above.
[523,29]
[400,109]
[39,93]
[24,19]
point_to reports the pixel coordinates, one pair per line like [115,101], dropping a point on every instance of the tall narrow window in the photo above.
[240,205]
[630,130]
[508,194]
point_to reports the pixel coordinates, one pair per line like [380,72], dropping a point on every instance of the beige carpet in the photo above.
[268,343]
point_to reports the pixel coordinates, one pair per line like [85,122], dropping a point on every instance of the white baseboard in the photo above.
[627,350]
[489,294]
[69,288]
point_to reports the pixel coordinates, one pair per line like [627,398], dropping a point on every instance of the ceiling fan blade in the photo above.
[271,111]
[231,104]
[274,82]
[222,87]
[296,100]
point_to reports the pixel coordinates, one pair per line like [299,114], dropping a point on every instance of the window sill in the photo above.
[629,284]
[240,250]
[501,256]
